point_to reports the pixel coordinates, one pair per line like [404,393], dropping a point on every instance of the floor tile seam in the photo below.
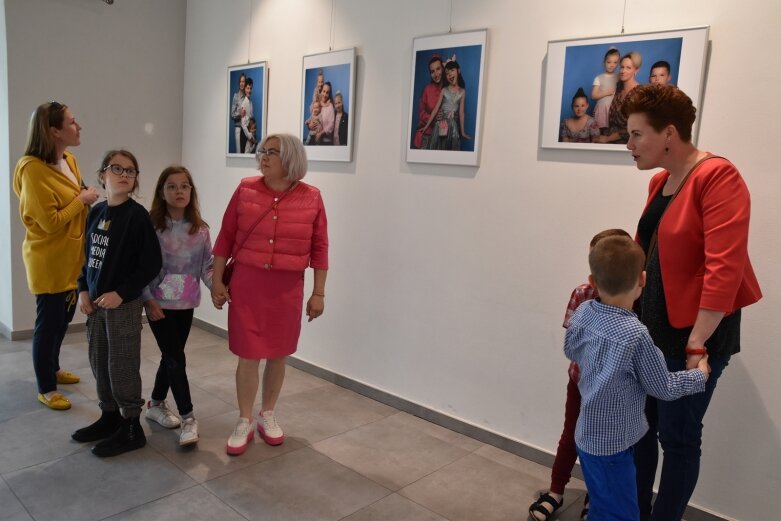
[251,465]
[150,502]
[18,499]
[7,473]
[311,444]
[390,493]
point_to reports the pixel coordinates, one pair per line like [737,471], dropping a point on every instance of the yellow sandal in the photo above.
[57,402]
[66,377]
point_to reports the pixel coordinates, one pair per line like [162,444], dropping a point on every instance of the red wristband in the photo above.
[696,351]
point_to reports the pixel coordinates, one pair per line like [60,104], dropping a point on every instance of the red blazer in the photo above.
[703,243]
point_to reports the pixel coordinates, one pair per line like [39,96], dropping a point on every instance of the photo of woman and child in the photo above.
[326,117]
[599,119]
[446,115]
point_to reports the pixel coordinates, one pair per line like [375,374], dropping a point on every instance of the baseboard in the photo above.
[27,334]
[473,431]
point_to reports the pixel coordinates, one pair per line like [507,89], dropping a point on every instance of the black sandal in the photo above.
[537,507]
[584,512]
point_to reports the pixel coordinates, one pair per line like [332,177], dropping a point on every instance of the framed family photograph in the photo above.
[327,100]
[587,79]
[247,92]
[446,98]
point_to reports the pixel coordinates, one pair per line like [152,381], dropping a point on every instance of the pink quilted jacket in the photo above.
[292,236]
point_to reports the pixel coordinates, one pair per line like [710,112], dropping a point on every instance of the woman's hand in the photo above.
[315,306]
[88,196]
[110,300]
[220,294]
[153,310]
[702,365]
[86,305]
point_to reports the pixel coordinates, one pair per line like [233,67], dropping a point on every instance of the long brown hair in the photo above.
[40,142]
[159,209]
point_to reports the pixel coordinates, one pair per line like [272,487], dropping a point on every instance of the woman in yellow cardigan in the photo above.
[53,205]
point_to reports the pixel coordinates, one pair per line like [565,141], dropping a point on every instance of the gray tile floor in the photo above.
[346,456]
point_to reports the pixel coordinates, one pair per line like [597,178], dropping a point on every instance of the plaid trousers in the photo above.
[114,337]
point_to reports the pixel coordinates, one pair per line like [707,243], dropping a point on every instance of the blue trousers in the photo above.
[610,481]
[678,427]
[53,313]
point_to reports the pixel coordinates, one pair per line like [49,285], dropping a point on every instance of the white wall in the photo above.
[448,285]
[119,68]
[6,253]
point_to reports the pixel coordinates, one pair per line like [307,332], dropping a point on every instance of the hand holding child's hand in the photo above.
[220,294]
[703,366]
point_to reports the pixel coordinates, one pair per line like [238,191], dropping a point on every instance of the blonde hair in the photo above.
[292,154]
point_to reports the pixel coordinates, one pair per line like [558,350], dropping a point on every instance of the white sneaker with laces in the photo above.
[162,414]
[242,435]
[269,429]
[189,434]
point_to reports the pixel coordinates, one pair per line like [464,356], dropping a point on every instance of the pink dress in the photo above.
[267,288]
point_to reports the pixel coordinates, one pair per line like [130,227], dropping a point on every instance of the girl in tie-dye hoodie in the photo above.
[170,298]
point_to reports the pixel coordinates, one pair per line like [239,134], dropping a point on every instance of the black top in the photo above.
[672,341]
[122,251]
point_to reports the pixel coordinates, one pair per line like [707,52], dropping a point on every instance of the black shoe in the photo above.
[129,436]
[105,426]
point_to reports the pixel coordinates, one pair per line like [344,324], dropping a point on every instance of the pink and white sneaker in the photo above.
[242,435]
[269,429]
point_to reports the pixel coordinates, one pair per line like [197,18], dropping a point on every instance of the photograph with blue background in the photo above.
[468,58]
[338,75]
[582,63]
[256,73]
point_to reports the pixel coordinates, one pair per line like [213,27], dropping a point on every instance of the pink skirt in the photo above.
[264,316]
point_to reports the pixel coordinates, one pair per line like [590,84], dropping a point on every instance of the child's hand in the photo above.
[110,300]
[153,310]
[86,305]
[703,366]
[220,294]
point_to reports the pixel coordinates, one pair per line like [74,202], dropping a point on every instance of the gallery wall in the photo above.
[120,69]
[448,284]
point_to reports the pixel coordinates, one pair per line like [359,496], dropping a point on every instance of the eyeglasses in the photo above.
[119,170]
[268,152]
[175,188]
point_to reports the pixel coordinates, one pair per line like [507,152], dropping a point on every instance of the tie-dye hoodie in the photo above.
[187,259]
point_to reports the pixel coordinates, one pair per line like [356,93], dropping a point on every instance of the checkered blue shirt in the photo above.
[619,365]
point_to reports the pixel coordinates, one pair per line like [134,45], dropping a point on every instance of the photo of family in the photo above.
[446,98]
[326,104]
[596,76]
[246,108]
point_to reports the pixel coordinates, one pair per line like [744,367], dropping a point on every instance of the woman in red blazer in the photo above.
[699,276]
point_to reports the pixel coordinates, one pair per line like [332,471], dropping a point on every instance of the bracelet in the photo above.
[696,351]
[315,294]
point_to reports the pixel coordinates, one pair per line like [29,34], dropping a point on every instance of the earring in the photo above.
[667,146]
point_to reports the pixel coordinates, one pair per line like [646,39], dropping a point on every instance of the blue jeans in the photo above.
[54,311]
[679,428]
[610,481]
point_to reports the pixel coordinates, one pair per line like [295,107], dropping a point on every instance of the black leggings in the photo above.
[171,334]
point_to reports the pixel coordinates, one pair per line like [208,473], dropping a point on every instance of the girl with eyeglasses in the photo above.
[53,205]
[170,298]
[123,256]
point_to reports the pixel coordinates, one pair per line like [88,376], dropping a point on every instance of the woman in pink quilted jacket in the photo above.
[274,228]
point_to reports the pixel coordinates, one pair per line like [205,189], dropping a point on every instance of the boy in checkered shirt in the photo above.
[619,365]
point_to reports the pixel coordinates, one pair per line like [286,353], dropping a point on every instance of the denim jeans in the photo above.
[610,481]
[678,425]
[54,311]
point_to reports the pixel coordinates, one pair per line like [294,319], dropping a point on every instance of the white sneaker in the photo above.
[162,415]
[242,435]
[269,429]
[189,434]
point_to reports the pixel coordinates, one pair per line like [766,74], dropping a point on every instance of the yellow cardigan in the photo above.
[54,220]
